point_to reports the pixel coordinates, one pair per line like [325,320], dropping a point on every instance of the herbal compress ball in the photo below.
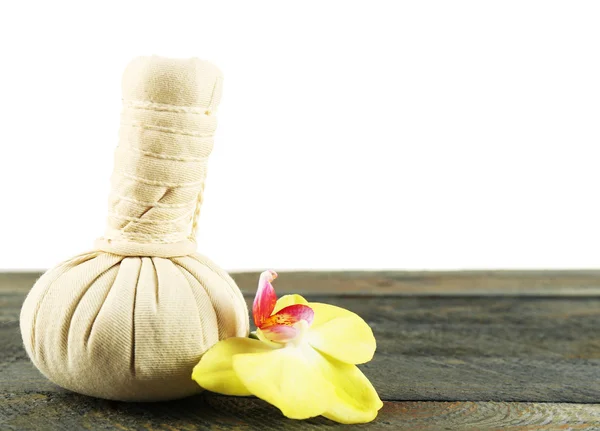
[129,320]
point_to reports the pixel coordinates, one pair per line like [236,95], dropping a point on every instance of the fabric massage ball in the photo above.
[130,319]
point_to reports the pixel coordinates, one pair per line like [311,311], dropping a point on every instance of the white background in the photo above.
[417,135]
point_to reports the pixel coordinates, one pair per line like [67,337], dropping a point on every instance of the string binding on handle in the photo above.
[165,139]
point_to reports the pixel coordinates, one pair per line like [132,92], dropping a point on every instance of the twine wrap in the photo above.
[129,320]
[165,139]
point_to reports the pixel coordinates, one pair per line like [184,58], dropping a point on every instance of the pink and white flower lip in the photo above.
[282,326]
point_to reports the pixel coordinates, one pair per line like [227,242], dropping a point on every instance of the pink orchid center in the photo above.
[285,325]
[288,323]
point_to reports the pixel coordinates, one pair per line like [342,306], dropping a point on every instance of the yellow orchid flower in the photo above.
[303,361]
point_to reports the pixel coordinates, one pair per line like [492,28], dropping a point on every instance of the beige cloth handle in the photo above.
[165,140]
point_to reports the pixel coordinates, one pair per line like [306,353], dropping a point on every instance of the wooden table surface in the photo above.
[482,350]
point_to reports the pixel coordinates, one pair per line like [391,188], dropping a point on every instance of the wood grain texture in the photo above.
[447,348]
[68,411]
[501,362]
[405,283]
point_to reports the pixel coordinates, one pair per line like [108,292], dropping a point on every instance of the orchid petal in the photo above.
[341,334]
[287,300]
[289,378]
[356,400]
[215,369]
[327,312]
[265,299]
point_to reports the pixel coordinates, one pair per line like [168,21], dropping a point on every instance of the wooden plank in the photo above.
[479,349]
[468,350]
[427,283]
[68,411]
[447,348]
[402,283]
